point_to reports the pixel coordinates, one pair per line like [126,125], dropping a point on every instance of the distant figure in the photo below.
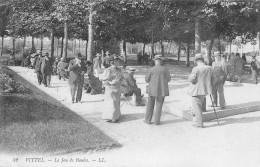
[46,69]
[97,62]
[239,67]
[77,69]
[106,60]
[146,58]
[62,69]
[244,57]
[37,70]
[11,61]
[232,62]
[54,66]
[158,78]
[201,80]
[139,58]
[220,71]
[254,65]
[112,78]
[131,88]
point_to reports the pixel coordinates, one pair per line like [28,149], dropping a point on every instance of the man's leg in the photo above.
[222,102]
[72,91]
[197,106]
[48,80]
[44,79]
[149,109]
[158,112]
[79,89]
[39,78]
[138,99]
[215,95]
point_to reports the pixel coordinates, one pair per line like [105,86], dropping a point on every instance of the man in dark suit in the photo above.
[46,70]
[158,78]
[201,81]
[106,60]
[131,88]
[77,68]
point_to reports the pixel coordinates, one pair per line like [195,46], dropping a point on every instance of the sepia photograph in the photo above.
[129,83]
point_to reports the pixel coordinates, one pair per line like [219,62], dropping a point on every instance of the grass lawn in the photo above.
[37,123]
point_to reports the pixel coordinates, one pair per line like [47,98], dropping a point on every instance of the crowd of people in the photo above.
[105,76]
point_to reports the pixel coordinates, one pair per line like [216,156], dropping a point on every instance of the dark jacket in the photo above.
[46,67]
[158,78]
[38,64]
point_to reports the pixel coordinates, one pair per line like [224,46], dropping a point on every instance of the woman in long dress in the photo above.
[112,78]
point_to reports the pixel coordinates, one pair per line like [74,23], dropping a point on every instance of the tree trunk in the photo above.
[219,45]
[90,37]
[41,43]
[14,47]
[197,36]
[62,45]
[65,48]
[2,47]
[52,43]
[188,55]
[231,46]
[124,52]
[162,48]
[24,43]
[209,51]
[179,52]
[57,48]
[143,49]
[152,46]
[33,46]
[79,46]
[86,50]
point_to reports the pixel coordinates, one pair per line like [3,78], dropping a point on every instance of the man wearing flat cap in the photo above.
[131,88]
[201,81]
[77,68]
[158,78]
[97,62]
[46,69]
[220,71]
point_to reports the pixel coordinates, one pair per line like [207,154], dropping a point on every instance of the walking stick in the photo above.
[214,108]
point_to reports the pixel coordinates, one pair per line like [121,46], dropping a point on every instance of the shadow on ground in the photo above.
[38,123]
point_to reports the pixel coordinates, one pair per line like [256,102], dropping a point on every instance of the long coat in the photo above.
[46,66]
[38,64]
[202,80]
[76,71]
[158,78]
[97,62]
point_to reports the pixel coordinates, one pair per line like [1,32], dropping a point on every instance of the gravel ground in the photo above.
[235,143]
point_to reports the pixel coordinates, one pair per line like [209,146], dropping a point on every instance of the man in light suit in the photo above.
[158,78]
[97,62]
[201,81]
[77,68]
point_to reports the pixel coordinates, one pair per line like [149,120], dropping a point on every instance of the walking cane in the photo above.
[214,108]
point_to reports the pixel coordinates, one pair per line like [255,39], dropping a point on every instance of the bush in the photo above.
[8,84]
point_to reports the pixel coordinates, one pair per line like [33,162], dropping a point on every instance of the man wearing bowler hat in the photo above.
[158,78]
[201,81]
[77,68]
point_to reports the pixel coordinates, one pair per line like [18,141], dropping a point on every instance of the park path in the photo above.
[174,143]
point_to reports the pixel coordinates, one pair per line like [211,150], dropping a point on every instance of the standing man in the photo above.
[220,71]
[131,88]
[239,67]
[158,78]
[106,60]
[97,62]
[46,69]
[77,69]
[254,69]
[201,81]
[38,69]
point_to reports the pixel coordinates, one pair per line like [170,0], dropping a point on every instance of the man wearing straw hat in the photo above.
[201,81]
[158,78]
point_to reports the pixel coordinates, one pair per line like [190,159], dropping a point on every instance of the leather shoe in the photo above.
[147,122]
